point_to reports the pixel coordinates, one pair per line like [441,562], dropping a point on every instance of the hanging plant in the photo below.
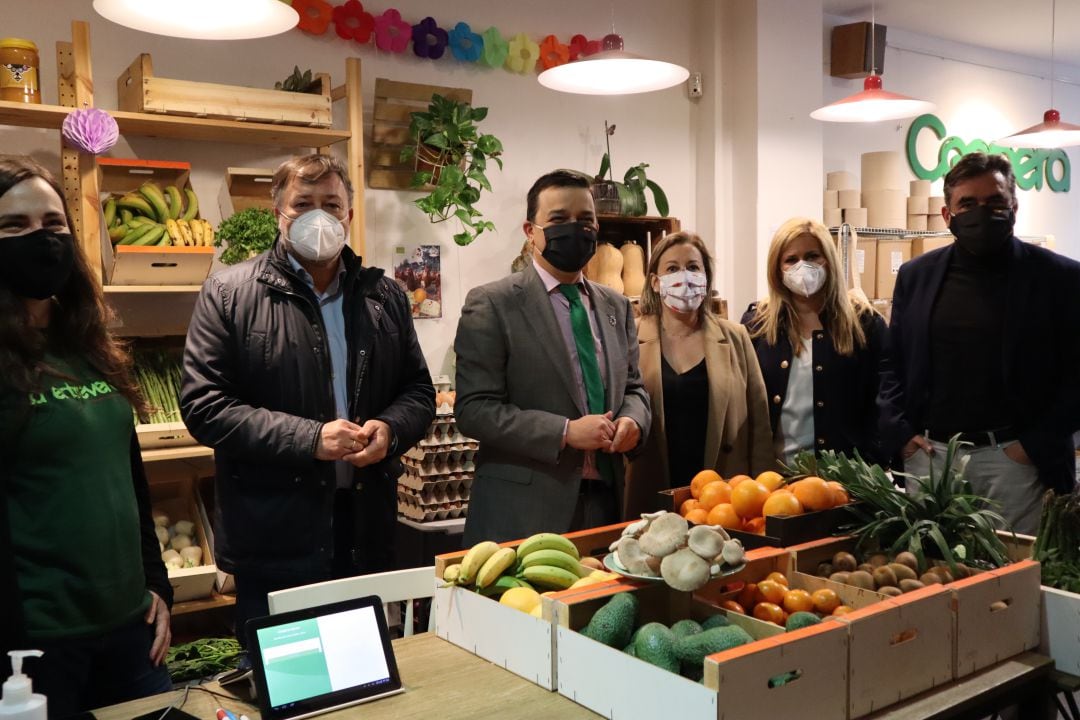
[451,154]
[626,197]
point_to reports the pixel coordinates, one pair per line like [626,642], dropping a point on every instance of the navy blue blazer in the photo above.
[845,388]
[1041,355]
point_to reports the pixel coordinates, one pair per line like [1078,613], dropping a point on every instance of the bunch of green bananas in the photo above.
[545,560]
[150,216]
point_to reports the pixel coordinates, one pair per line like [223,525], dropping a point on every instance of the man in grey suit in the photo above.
[547,380]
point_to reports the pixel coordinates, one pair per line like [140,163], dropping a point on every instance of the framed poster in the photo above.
[418,272]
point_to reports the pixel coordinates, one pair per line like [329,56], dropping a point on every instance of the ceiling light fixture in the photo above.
[1051,132]
[613,71]
[202,19]
[873,104]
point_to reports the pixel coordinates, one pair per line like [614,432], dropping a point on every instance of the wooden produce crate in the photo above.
[245,188]
[175,495]
[224,582]
[149,265]
[615,685]
[779,531]
[163,435]
[138,90]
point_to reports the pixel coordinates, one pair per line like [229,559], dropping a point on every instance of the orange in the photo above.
[825,601]
[702,479]
[725,516]
[713,494]
[770,591]
[697,516]
[778,577]
[781,502]
[733,606]
[755,526]
[839,493]
[771,479]
[769,612]
[738,479]
[748,497]
[688,505]
[746,595]
[798,601]
[843,610]
[813,493]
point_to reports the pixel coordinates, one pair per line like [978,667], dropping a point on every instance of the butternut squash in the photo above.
[607,265]
[633,272]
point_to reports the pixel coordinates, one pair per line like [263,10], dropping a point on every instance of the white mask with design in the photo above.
[804,278]
[683,291]
[316,235]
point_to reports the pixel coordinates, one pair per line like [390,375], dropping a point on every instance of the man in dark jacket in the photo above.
[303,371]
[985,344]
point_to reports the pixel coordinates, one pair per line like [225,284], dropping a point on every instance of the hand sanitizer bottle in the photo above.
[19,701]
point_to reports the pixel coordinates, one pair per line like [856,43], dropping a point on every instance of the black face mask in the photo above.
[983,230]
[569,246]
[38,264]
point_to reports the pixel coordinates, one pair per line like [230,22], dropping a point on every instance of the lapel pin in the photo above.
[611,320]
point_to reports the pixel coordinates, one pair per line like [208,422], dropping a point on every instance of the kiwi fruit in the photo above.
[825,569]
[930,578]
[862,579]
[890,591]
[878,559]
[907,585]
[909,559]
[840,577]
[942,572]
[844,562]
[902,572]
[866,567]
[884,577]
[962,571]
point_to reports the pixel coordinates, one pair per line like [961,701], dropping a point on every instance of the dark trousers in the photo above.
[596,506]
[80,675]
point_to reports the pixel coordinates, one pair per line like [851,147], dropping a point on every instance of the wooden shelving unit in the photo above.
[151,310]
[215,601]
[187,452]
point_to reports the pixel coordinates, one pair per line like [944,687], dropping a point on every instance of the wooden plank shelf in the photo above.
[215,601]
[151,310]
[188,452]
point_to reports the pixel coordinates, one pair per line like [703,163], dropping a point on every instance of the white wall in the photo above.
[979,94]
[541,129]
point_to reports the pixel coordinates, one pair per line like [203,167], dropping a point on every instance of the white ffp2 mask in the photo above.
[316,235]
[683,291]
[804,278]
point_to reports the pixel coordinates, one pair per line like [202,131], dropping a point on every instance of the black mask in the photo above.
[569,246]
[983,230]
[38,264]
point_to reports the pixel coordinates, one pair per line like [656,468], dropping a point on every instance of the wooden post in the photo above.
[355,105]
[79,170]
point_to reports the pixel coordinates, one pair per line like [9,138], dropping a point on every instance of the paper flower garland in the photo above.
[495,48]
[428,39]
[553,52]
[581,46]
[466,45]
[523,54]
[90,130]
[315,15]
[392,34]
[351,22]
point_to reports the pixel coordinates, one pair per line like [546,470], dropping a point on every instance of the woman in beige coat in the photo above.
[708,397]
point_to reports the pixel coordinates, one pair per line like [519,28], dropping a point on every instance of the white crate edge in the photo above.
[1061,629]
[520,643]
[620,687]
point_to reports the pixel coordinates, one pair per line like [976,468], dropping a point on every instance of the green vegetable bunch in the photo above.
[301,82]
[202,658]
[1057,544]
[246,234]
[157,373]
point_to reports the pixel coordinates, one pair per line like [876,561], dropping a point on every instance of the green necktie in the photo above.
[590,368]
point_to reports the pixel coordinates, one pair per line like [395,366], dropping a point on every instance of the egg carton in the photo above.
[436,493]
[444,431]
[432,513]
[418,482]
[442,462]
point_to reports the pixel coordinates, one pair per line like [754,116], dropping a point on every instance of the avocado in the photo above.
[692,650]
[656,644]
[801,619]
[715,621]
[686,628]
[613,623]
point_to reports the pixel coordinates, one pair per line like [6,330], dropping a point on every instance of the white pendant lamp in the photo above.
[1051,132]
[873,104]
[613,71]
[202,19]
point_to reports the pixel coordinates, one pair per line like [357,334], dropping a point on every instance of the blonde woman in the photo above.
[708,398]
[820,348]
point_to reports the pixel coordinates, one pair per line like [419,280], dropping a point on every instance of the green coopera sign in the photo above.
[1033,166]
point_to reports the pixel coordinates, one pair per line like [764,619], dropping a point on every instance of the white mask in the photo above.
[804,278]
[316,235]
[683,291]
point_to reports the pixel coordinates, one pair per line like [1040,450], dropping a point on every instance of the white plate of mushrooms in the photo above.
[663,547]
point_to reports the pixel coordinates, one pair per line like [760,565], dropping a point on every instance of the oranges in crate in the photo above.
[714,493]
[748,497]
[813,493]
[725,516]
[742,502]
[771,479]
[702,479]
[782,502]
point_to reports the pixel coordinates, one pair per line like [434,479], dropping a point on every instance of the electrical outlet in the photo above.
[693,85]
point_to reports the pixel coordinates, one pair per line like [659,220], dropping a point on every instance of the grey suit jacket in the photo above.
[515,391]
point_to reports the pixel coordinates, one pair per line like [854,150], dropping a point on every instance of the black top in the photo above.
[967,331]
[686,415]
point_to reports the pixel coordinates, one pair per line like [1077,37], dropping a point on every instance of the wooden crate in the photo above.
[245,188]
[163,435]
[138,90]
[175,496]
[394,103]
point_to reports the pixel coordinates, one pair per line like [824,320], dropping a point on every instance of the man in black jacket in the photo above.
[303,371]
[985,343]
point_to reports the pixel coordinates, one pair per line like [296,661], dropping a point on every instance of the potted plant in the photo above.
[626,197]
[450,156]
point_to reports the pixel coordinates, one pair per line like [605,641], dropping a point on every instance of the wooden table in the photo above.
[441,680]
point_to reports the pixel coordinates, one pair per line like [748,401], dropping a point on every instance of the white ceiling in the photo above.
[1021,27]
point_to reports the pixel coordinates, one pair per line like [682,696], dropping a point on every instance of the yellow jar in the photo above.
[19,71]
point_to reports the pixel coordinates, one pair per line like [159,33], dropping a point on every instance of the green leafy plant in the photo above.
[451,154]
[631,190]
[246,234]
[942,519]
[300,82]
[1057,543]
[202,658]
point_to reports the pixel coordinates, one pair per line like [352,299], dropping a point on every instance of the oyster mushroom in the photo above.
[685,570]
[653,564]
[631,556]
[733,552]
[665,535]
[705,541]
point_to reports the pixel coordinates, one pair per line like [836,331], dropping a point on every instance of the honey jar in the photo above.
[19,71]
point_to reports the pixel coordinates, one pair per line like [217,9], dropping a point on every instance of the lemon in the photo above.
[537,611]
[521,598]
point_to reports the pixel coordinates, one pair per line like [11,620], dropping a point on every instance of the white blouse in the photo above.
[797,413]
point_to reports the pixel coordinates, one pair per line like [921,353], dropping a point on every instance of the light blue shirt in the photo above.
[332,308]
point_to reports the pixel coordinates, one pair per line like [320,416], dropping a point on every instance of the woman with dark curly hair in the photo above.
[81,576]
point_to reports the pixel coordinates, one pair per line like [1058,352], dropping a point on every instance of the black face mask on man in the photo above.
[983,230]
[569,246]
[38,264]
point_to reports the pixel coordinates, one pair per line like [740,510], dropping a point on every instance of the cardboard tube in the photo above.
[916,222]
[855,216]
[840,180]
[833,217]
[936,223]
[886,208]
[831,199]
[917,205]
[882,171]
[849,199]
[934,204]
[919,188]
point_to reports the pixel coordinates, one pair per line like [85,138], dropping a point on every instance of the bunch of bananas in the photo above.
[150,216]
